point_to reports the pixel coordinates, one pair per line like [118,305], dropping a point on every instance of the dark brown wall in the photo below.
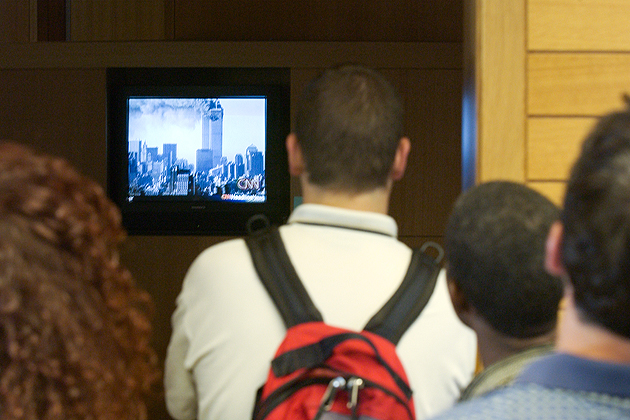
[52,94]
[319,20]
[14,21]
[266,20]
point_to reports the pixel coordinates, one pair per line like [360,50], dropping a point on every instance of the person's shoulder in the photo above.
[505,403]
[532,401]
[215,260]
[232,248]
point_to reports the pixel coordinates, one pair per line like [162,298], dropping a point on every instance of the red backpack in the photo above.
[324,372]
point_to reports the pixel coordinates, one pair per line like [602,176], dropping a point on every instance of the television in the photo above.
[197,151]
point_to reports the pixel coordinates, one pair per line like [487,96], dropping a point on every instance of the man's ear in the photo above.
[553,251]
[460,303]
[400,159]
[294,153]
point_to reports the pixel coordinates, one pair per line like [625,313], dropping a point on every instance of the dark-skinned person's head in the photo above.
[495,250]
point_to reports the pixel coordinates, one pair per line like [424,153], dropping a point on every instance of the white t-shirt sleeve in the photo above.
[180,394]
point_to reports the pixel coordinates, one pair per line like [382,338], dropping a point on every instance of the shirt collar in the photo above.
[317,214]
[579,374]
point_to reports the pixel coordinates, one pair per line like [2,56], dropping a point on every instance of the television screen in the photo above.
[197,151]
[210,148]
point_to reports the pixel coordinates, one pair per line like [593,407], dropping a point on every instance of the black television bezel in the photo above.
[185,216]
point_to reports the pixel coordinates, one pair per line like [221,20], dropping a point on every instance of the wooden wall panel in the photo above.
[422,201]
[574,70]
[576,84]
[119,20]
[266,20]
[553,144]
[498,34]
[57,111]
[300,77]
[577,71]
[553,190]
[585,25]
[15,21]
[318,20]
[230,54]
[159,264]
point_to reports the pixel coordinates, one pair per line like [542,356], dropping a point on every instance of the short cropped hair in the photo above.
[349,123]
[494,249]
[596,219]
[74,328]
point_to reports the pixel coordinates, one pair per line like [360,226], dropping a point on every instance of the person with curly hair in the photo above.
[74,328]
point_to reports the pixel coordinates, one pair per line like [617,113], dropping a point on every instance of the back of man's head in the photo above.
[349,123]
[596,218]
[495,247]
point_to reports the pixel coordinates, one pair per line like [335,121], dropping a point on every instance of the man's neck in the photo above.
[589,340]
[495,346]
[375,201]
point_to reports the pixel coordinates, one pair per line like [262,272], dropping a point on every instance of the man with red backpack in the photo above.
[348,149]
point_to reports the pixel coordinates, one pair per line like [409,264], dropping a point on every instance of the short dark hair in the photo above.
[495,247]
[596,219]
[349,123]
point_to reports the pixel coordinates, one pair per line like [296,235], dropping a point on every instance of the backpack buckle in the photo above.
[329,395]
[354,385]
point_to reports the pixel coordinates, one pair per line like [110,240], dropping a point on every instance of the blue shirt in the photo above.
[556,387]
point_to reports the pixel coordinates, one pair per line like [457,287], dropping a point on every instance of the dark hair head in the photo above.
[74,333]
[596,219]
[494,247]
[349,123]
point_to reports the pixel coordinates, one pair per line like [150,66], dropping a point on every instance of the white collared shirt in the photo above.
[226,328]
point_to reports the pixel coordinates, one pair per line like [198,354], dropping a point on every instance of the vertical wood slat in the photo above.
[169,20]
[51,20]
[33,20]
[585,25]
[500,89]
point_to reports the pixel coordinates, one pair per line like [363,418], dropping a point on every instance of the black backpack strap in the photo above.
[280,278]
[402,309]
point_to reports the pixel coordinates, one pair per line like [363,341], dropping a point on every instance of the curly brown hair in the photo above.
[74,328]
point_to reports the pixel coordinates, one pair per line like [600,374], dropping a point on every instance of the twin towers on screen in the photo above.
[206,147]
